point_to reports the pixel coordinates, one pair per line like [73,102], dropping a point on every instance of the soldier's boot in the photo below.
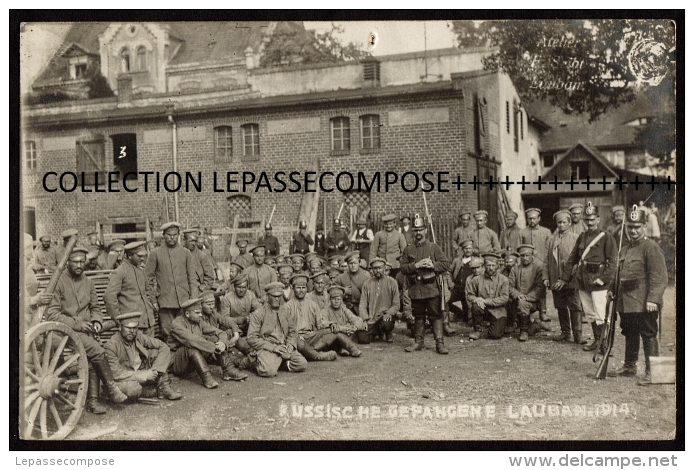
[597,332]
[650,349]
[418,335]
[103,370]
[229,369]
[544,317]
[438,336]
[164,389]
[347,345]
[203,370]
[245,363]
[447,329]
[564,336]
[93,386]
[577,326]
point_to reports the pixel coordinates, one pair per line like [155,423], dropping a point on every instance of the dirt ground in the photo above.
[482,390]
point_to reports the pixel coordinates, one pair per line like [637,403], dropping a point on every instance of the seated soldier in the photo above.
[319,294]
[76,304]
[510,260]
[239,302]
[333,274]
[214,318]
[198,342]
[139,362]
[311,338]
[379,303]
[488,296]
[342,322]
[477,269]
[272,337]
[526,289]
[284,274]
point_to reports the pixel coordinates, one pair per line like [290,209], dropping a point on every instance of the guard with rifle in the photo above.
[641,283]
[593,262]
[421,263]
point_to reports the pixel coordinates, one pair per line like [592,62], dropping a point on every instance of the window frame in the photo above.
[228,150]
[345,141]
[255,144]
[89,175]
[125,65]
[142,56]
[30,157]
[578,164]
[374,138]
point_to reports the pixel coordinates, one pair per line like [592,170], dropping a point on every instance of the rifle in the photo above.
[609,326]
[439,277]
[38,315]
[269,221]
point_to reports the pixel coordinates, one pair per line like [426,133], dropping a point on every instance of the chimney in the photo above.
[372,72]
[249,58]
[125,89]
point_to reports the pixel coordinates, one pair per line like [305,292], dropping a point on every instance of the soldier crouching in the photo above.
[139,362]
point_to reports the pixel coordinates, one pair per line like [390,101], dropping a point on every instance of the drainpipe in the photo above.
[175,163]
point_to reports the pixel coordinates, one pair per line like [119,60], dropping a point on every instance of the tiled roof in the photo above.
[610,130]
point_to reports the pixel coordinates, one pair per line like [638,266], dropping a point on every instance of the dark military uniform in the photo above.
[301,243]
[272,244]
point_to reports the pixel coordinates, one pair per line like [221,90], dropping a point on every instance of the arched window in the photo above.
[125,60]
[142,58]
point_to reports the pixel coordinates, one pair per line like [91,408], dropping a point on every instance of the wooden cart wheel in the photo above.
[53,386]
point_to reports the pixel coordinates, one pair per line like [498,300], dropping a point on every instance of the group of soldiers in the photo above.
[274,312]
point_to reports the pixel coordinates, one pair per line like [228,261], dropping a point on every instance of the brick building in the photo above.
[216,111]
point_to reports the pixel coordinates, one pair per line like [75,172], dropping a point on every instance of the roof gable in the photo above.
[603,166]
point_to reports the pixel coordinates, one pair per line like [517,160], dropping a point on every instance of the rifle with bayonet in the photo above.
[441,281]
[609,326]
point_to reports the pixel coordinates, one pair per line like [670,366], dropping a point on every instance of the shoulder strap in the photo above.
[591,245]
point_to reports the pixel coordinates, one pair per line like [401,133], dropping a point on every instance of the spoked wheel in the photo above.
[54,387]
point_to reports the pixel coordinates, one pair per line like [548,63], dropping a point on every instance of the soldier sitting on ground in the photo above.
[380,302]
[526,288]
[139,362]
[342,322]
[198,342]
[488,295]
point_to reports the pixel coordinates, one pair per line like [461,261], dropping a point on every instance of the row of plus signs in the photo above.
[587,183]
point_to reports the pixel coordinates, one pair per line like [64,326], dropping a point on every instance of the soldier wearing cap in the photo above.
[239,302]
[92,261]
[45,258]
[139,362]
[406,229]
[526,288]
[353,280]
[592,262]
[510,237]
[204,266]
[301,240]
[333,274]
[566,301]
[225,323]
[642,281]
[488,295]
[270,242]
[171,272]
[272,337]
[613,228]
[198,342]
[312,339]
[315,265]
[460,270]
[389,244]
[537,236]
[320,247]
[259,274]
[341,322]
[379,303]
[422,262]
[337,241]
[128,291]
[234,270]
[484,239]
[577,224]
[115,254]
[319,293]
[361,239]
[76,304]
[510,261]
[297,262]
[65,235]
[464,230]
[244,258]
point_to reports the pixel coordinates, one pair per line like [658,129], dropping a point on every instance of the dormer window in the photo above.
[125,60]
[78,67]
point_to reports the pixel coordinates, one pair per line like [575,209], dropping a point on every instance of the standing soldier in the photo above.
[422,262]
[464,230]
[488,295]
[45,260]
[302,240]
[613,228]
[243,259]
[389,244]
[594,260]
[510,261]
[170,271]
[260,274]
[76,305]
[361,240]
[406,229]
[321,247]
[379,303]
[115,254]
[566,301]
[537,236]
[484,238]
[353,280]
[577,224]
[127,289]
[510,238]
[460,270]
[337,241]
[270,242]
[642,282]
[526,289]
[204,267]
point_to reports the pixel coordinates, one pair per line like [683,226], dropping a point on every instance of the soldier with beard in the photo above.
[379,303]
